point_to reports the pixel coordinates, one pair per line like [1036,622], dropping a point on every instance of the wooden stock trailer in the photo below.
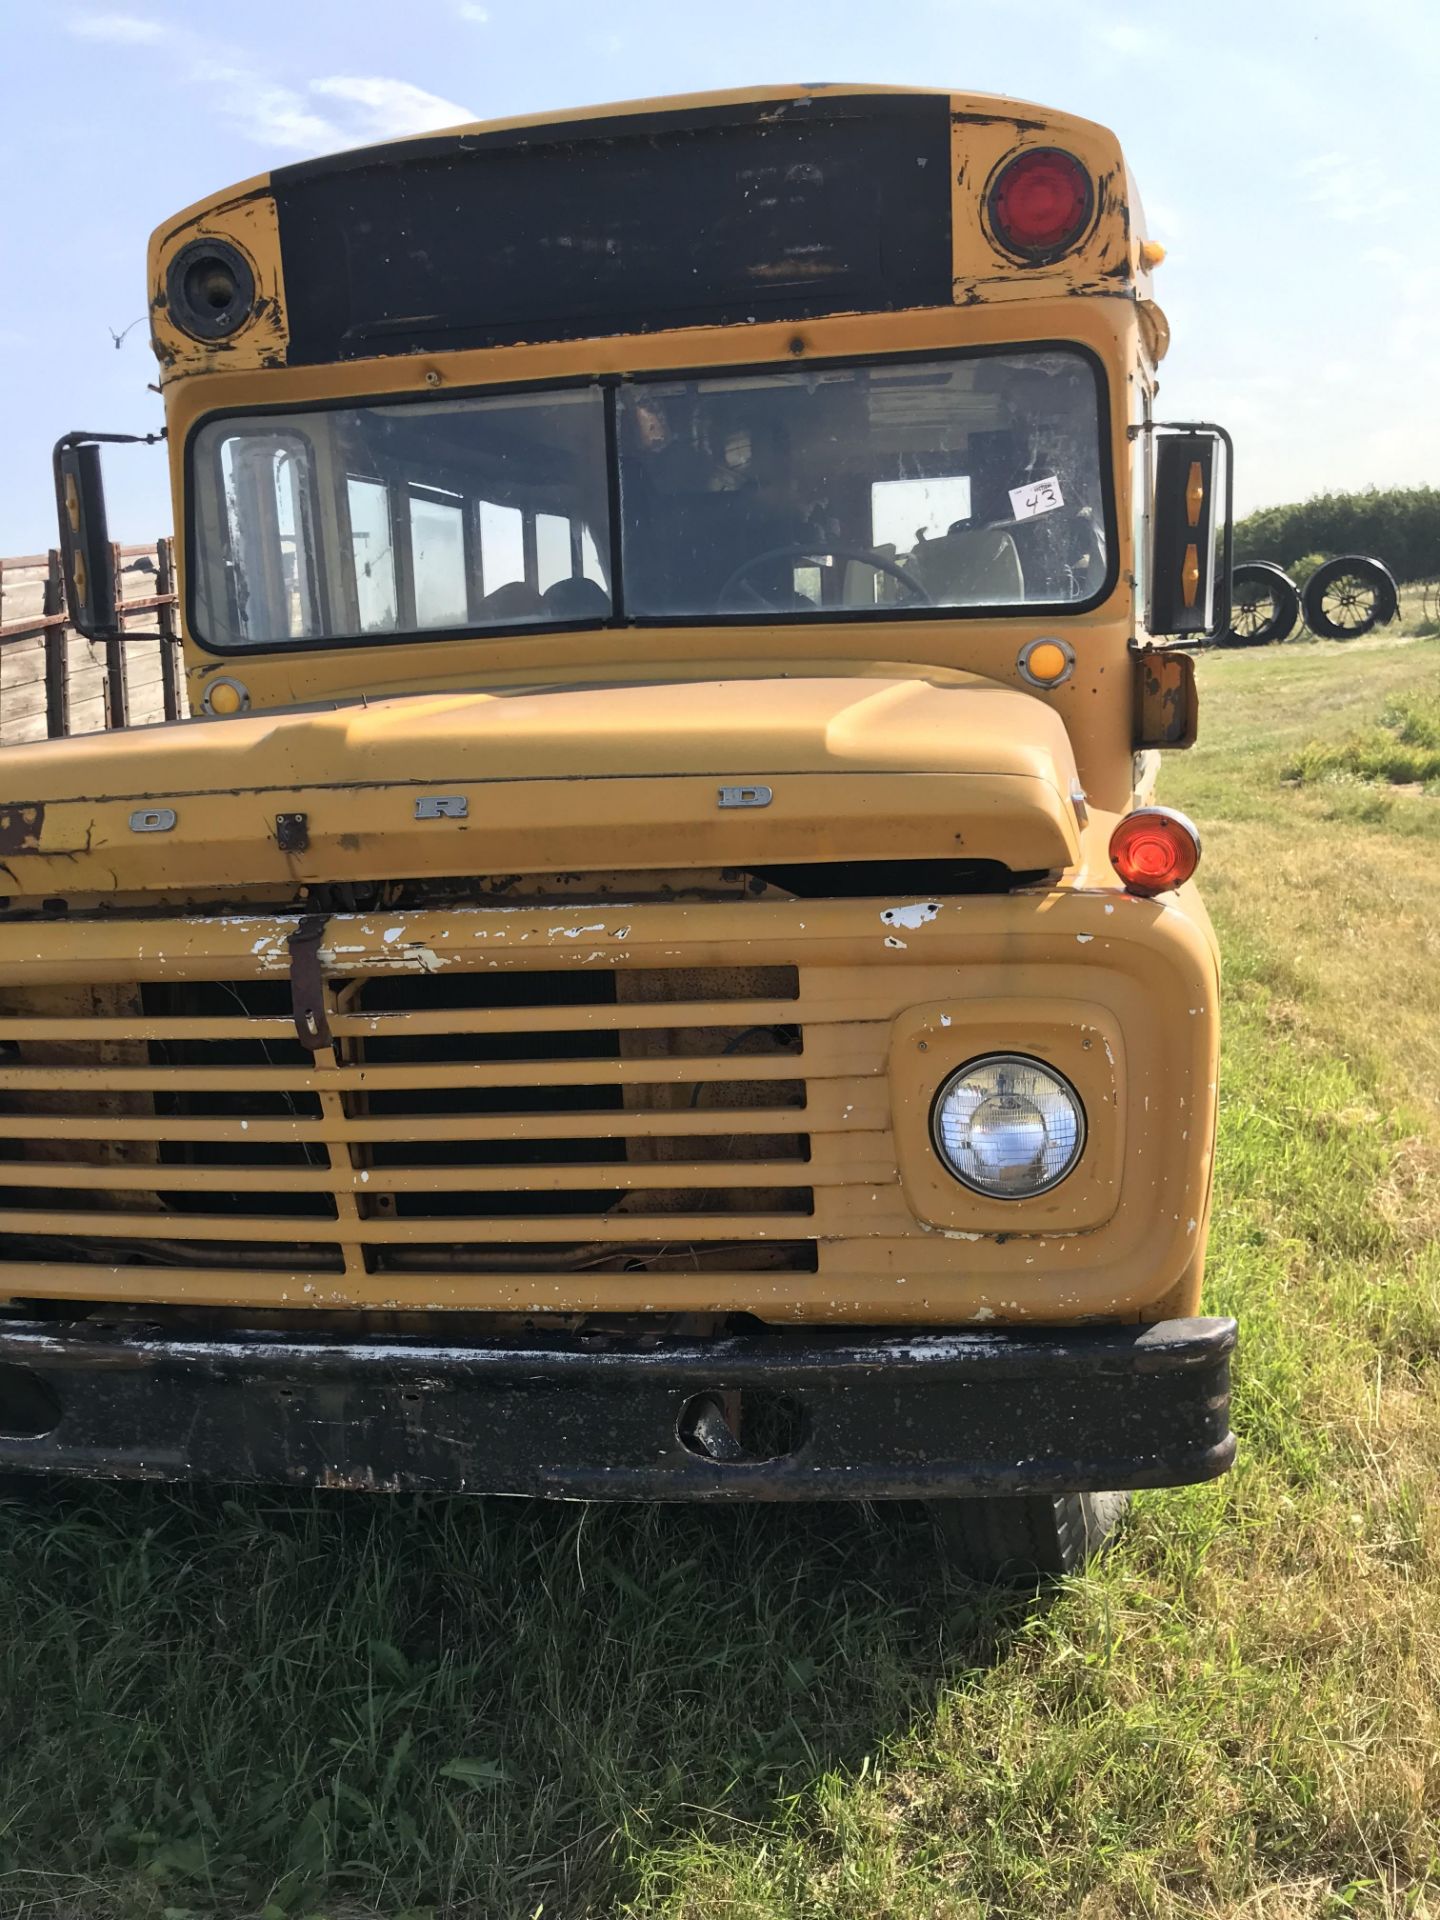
[54,683]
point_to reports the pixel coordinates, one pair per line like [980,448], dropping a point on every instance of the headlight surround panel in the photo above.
[1078,1039]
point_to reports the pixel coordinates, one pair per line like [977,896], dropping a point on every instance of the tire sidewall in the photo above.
[1375,575]
[1287,604]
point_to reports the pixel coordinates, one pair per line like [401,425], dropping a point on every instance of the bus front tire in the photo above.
[1017,1538]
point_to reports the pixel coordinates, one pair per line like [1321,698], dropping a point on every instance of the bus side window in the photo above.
[565,550]
[373,552]
[904,512]
[502,545]
[297,536]
[590,563]
[552,549]
[437,544]
[271,536]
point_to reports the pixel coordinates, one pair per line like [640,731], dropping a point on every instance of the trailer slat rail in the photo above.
[53,683]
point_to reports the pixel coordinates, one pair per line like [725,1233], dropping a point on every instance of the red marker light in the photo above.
[1154,849]
[1040,204]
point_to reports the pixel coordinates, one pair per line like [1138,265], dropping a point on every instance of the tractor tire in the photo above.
[1348,597]
[1016,1539]
[1264,605]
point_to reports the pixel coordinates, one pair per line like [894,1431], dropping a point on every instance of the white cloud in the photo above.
[365,107]
[275,116]
[278,117]
[120,29]
[1349,190]
[479,16]
[385,108]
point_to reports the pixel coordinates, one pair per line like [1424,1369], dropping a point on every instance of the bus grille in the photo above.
[596,1120]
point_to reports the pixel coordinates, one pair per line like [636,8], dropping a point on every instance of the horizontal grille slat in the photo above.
[225,1081]
[374,1232]
[639,1017]
[298,1286]
[538,1178]
[843,1109]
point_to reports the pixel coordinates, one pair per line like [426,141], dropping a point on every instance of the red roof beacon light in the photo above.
[1040,204]
[1154,849]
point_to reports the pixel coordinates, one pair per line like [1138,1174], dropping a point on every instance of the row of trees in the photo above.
[1399,526]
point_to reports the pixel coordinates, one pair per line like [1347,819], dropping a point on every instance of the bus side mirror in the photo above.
[1191,536]
[86,557]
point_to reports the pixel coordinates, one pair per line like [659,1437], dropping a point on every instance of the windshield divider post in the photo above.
[610,392]
[474,560]
[404,559]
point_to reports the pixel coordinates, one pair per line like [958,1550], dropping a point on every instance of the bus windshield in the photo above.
[971,482]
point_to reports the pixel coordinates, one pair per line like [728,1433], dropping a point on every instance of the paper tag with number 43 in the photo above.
[1040,496]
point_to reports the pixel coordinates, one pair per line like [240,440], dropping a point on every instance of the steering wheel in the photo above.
[813,552]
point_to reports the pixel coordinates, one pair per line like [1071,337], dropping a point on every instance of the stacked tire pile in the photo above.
[1341,600]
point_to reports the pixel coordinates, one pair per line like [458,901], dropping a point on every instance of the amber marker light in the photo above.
[1154,849]
[226,696]
[1046,663]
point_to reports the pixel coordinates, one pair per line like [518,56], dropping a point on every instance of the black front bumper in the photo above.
[807,1414]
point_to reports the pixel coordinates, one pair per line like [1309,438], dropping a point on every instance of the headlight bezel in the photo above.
[1030,1062]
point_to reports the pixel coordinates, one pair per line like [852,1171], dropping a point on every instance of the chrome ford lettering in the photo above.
[442,806]
[152,820]
[745,796]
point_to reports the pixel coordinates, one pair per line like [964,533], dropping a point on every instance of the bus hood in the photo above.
[615,777]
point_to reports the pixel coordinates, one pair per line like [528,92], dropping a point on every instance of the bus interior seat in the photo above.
[514,601]
[577,598]
[969,566]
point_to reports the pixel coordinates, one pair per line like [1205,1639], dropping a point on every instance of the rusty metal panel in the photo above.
[21,828]
[1167,704]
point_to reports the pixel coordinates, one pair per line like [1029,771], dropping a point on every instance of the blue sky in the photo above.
[1285,150]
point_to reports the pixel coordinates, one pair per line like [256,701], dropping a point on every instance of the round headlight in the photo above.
[1008,1127]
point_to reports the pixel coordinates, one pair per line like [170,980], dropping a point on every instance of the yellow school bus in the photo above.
[653,968]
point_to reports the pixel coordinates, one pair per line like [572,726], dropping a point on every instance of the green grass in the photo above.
[1404,749]
[1414,615]
[350,1706]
